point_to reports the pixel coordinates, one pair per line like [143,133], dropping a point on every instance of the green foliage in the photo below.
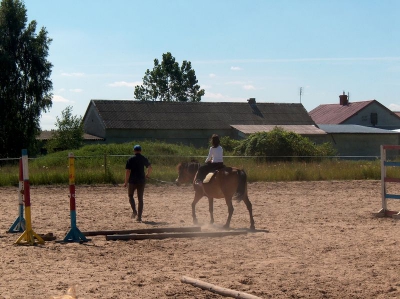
[229,144]
[69,133]
[169,82]
[25,85]
[282,144]
[105,164]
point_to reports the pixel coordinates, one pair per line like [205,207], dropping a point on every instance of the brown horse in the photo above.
[228,182]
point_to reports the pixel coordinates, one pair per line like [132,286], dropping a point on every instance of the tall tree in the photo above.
[25,85]
[69,132]
[169,82]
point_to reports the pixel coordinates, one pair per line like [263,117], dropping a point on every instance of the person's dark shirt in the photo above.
[136,164]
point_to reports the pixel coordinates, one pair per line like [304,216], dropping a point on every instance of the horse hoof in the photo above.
[252,228]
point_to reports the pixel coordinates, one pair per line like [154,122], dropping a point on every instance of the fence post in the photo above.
[105,165]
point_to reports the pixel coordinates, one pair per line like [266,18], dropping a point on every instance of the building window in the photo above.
[374,118]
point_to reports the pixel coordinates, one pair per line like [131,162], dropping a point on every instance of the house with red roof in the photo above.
[365,113]
[359,128]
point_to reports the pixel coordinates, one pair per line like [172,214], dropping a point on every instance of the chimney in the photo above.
[251,100]
[343,99]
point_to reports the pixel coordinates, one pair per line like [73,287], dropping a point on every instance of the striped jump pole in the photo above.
[19,224]
[28,237]
[74,235]
[384,179]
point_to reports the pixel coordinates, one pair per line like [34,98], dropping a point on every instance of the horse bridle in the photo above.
[194,165]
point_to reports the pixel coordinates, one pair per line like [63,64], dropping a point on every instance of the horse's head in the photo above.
[186,172]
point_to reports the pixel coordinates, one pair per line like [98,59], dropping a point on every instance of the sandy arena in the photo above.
[312,240]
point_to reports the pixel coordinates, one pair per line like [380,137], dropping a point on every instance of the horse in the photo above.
[227,182]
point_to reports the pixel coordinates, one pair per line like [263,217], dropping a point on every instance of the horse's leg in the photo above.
[197,196]
[211,209]
[230,211]
[250,208]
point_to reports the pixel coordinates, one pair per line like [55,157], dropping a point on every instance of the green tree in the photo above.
[169,82]
[69,133]
[25,85]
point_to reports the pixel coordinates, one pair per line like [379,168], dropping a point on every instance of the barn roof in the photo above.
[337,113]
[354,129]
[118,114]
[298,129]
[47,135]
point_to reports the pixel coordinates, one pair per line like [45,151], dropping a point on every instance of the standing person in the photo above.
[214,160]
[136,179]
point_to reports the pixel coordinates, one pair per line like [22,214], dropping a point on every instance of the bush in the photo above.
[229,144]
[282,144]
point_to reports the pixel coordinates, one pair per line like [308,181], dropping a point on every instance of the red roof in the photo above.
[335,114]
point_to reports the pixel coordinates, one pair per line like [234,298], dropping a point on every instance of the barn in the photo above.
[359,141]
[189,123]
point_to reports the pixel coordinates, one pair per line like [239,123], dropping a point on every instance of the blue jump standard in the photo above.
[19,224]
[74,234]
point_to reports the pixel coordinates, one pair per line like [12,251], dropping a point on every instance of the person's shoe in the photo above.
[138,219]
[134,214]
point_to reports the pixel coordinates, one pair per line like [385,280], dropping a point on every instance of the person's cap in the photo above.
[137,147]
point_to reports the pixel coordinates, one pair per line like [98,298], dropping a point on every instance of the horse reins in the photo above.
[191,166]
[160,181]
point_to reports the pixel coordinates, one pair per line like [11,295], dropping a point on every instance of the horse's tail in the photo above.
[241,191]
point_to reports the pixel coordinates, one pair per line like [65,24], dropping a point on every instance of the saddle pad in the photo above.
[208,177]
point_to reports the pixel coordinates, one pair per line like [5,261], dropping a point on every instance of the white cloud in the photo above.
[220,97]
[245,85]
[394,107]
[235,83]
[317,59]
[72,74]
[212,75]
[214,96]
[60,99]
[76,90]
[235,68]
[248,87]
[124,84]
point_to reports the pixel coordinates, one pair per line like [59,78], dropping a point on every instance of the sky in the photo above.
[239,49]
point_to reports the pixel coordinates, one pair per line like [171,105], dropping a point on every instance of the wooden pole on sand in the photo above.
[217,289]
[173,235]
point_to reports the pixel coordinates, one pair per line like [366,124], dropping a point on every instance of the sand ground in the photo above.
[313,240]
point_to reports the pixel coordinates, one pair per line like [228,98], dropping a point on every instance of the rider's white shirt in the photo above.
[215,155]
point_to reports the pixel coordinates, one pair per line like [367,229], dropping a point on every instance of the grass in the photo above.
[100,164]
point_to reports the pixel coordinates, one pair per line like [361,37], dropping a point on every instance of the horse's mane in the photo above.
[192,164]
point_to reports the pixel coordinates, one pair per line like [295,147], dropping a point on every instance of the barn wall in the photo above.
[92,123]
[361,144]
[197,138]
